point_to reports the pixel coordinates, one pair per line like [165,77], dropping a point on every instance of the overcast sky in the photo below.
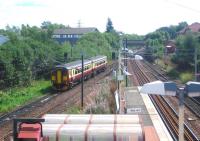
[129,16]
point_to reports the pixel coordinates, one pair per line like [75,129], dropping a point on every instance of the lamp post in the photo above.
[192,89]
[181,93]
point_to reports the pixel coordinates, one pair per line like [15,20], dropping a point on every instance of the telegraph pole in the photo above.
[119,75]
[79,24]
[119,69]
[126,64]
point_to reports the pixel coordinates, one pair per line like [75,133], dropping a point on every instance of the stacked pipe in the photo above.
[65,127]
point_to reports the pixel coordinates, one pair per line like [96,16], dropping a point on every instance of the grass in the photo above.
[16,97]
[172,71]
[74,110]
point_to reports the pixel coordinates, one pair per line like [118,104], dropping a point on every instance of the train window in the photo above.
[78,71]
[64,72]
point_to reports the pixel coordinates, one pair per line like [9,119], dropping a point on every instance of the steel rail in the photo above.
[168,114]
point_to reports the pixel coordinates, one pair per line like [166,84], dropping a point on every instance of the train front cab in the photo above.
[60,78]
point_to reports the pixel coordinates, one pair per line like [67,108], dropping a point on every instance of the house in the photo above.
[3,39]
[71,34]
[195,28]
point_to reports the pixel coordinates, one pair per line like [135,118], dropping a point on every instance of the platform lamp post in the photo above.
[191,89]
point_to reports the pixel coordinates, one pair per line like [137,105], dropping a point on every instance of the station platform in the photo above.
[140,104]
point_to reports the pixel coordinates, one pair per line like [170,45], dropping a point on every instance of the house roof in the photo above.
[3,39]
[195,27]
[75,30]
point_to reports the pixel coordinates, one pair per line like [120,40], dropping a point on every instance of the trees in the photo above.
[186,45]
[27,56]
[157,39]
[93,44]
[109,26]
[31,53]
[181,26]
[96,44]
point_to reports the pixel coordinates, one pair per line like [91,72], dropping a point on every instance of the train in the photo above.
[65,76]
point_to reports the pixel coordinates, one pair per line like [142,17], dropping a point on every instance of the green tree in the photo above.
[184,56]
[31,53]
[181,26]
[109,26]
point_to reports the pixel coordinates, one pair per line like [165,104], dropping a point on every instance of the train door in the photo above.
[59,76]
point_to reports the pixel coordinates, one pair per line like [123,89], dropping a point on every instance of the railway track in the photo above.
[192,103]
[168,114]
[48,104]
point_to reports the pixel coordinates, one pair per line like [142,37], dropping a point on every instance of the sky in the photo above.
[129,16]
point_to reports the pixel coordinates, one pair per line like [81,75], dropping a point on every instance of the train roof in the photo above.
[98,57]
[78,62]
[73,64]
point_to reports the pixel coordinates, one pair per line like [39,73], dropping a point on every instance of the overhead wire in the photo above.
[183,6]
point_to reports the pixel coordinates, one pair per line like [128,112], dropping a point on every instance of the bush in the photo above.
[98,109]
[185,77]
[173,73]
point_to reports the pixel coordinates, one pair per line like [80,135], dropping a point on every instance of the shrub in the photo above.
[185,77]
[173,73]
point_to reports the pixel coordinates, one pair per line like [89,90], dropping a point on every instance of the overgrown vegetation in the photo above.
[156,40]
[103,101]
[183,57]
[185,51]
[74,110]
[172,73]
[30,54]
[15,97]
[185,77]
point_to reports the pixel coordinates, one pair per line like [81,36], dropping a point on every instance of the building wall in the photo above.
[61,38]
